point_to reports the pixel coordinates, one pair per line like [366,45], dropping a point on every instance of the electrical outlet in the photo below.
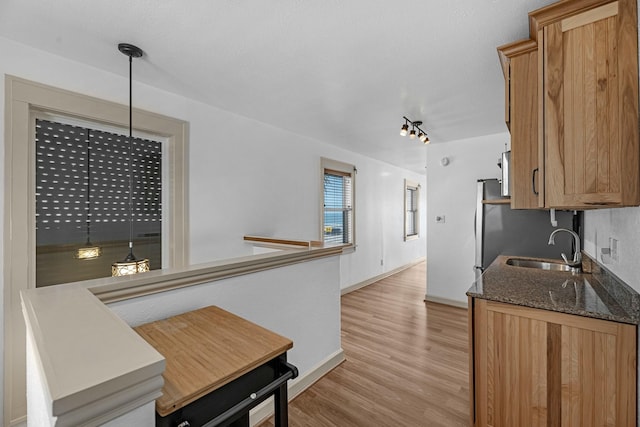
[440,219]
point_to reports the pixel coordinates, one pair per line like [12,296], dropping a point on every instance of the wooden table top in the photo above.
[206,349]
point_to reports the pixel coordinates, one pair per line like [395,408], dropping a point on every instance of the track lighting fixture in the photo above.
[422,135]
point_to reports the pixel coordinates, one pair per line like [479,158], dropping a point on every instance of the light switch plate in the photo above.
[613,244]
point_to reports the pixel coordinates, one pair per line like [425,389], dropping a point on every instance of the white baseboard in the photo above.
[447,301]
[263,411]
[368,282]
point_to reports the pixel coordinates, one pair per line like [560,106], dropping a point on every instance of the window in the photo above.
[338,212]
[411,210]
[82,200]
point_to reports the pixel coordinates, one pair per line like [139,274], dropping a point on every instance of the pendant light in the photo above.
[130,265]
[89,250]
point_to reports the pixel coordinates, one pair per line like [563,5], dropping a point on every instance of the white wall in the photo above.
[451,192]
[621,224]
[300,301]
[38,400]
[260,180]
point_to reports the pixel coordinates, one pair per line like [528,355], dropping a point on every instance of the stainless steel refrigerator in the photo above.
[501,230]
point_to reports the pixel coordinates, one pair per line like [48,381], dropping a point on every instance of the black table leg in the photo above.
[281,407]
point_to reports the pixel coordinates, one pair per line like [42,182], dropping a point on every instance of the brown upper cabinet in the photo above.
[586,92]
[520,67]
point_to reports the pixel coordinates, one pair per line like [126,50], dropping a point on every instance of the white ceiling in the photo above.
[343,72]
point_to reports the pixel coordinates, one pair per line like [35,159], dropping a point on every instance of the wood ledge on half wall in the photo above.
[284,242]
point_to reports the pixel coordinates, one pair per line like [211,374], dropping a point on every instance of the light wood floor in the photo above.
[406,362]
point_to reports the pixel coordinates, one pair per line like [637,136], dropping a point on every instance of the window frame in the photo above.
[23,100]
[414,186]
[347,169]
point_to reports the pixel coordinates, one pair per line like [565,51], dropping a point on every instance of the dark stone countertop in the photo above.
[597,295]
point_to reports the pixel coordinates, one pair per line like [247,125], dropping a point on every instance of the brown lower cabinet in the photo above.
[533,367]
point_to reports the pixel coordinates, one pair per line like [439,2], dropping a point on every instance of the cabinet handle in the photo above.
[533,181]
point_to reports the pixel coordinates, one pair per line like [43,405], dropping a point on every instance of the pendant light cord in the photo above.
[130,153]
[88,188]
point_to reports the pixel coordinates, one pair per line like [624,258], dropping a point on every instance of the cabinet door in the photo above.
[540,368]
[525,177]
[598,374]
[510,368]
[591,108]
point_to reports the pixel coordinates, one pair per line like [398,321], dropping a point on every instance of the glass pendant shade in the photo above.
[129,265]
[88,252]
[404,129]
[412,134]
[125,268]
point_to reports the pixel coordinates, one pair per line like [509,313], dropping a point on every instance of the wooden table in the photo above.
[219,366]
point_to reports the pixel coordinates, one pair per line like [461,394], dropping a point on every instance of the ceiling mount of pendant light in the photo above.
[415,124]
[89,250]
[130,264]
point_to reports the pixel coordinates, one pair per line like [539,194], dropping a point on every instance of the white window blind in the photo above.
[338,207]
[411,210]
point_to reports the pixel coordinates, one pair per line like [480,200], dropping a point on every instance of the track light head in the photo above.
[412,134]
[404,129]
[426,140]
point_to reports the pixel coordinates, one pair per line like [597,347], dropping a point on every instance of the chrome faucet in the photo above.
[576,262]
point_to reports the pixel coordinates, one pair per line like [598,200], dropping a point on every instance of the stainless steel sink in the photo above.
[542,265]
